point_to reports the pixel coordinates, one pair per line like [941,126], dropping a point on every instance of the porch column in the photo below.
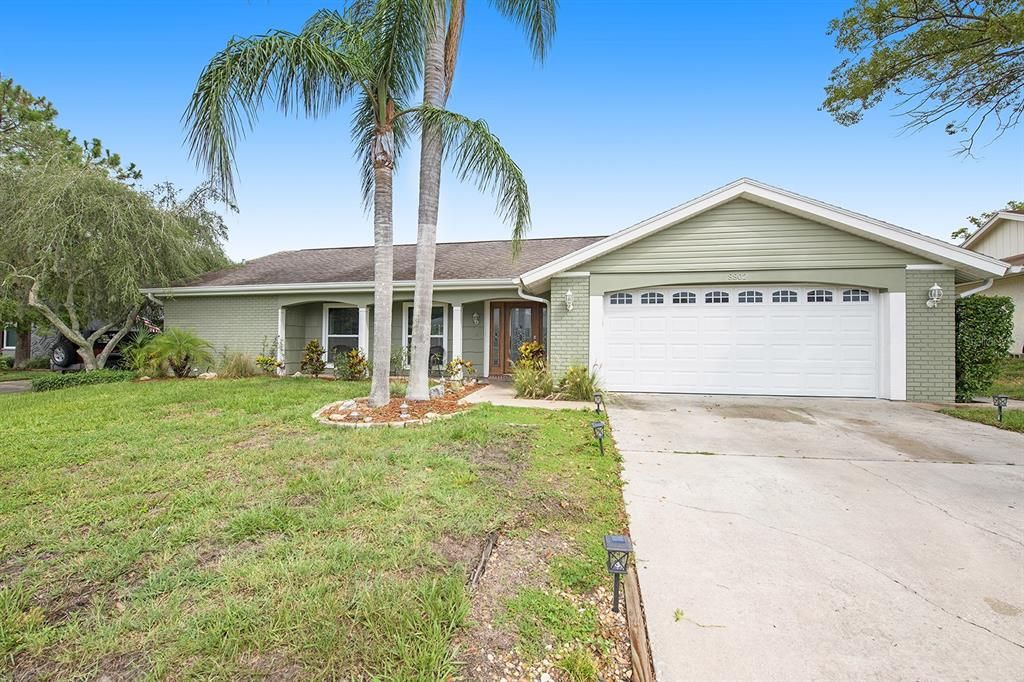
[281,316]
[364,332]
[456,331]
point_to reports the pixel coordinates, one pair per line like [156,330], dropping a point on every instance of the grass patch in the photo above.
[212,529]
[21,374]
[1013,420]
[543,619]
[578,666]
[1011,379]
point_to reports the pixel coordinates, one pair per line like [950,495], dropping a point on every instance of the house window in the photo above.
[785,296]
[651,297]
[342,332]
[10,338]
[684,297]
[750,297]
[716,297]
[856,296]
[819,296]
[438,332]
[621,299]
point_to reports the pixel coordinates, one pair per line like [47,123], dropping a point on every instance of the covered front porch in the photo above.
[482,327]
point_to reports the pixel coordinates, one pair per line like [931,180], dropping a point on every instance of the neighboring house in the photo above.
[1002,236]
[748,289]
[9,342]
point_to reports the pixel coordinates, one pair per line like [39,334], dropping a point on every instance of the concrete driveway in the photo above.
[15,386]
[802,539]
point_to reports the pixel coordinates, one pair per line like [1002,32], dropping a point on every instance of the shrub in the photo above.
[6,362]
[532,353]
[399,362]
[55,381]
[459,369]
[984,332]
[532,381]
[352,366]
[139,354]
[267,359]
[578,383]
[181,350]
[39,362]
[238,366]
[313,359]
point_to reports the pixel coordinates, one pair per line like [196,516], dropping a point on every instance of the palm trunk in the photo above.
[434,94]
[383,274]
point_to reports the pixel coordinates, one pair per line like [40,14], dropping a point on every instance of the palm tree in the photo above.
[373,53]
[537,17]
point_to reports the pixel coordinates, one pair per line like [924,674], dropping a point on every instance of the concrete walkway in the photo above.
[824,539]
[502,393]
[15,386]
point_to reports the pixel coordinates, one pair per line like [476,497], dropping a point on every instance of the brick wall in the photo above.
[931,349]
[234,323]
[570,329]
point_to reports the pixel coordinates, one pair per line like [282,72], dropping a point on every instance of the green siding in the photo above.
[230,323]
[473,336]
[745,235]
[569,329]
[931,345]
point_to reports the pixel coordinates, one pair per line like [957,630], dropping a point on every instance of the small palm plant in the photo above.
[181,350]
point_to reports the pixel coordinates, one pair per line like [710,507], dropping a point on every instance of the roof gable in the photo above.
[899,238]
[1002,236]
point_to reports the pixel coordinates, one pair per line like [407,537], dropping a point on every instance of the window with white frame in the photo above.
[750,297]
[819,296]
[684,297]
[651,298]
[785,296]
[10,338]
[716,297]
[621,299]
[438,333]
[342,335]
[856,296]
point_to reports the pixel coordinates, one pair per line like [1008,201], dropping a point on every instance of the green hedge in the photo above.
[55,381]
[984,333]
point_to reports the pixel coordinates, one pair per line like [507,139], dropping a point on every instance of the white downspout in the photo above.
[977,290]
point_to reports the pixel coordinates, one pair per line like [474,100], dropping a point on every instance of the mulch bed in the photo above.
[392,412]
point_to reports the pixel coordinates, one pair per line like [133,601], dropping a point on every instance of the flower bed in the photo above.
[358,412]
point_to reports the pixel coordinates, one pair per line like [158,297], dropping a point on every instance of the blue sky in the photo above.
[635,111]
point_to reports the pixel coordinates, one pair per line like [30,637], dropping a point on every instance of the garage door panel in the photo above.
[800,348]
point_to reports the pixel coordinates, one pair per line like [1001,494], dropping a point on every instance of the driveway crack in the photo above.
[842,553]
[940,508]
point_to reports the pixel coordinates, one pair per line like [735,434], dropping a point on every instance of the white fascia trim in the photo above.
[990,223]
[929,266]
[327,287]
[786,201]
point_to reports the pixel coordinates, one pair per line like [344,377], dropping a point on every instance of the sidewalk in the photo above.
[502,393]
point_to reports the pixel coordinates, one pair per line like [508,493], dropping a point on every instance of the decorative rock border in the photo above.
[319,416]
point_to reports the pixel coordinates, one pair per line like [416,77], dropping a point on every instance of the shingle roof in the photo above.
[455,261]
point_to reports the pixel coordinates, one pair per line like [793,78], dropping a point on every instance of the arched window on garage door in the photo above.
[819,296]
[621,299]
[716,297]
[651,298]
[684,297]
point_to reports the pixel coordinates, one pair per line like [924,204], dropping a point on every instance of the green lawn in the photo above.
[212,529]
[1013,420]
[1011,379]
[20,374]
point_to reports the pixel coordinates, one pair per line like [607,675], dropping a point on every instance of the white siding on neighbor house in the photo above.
[1004,240]
[1014,288]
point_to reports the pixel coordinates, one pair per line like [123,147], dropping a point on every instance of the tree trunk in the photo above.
[23,347]
[383,272]
[434,94]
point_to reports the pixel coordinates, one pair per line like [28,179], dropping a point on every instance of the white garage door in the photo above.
[764,340]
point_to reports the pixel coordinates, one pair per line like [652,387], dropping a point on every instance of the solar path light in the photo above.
[598,401]
[1000,402]
[619,548]
[598,433]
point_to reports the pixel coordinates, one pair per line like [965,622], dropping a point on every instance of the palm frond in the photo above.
[537,17]
[477,154]
[297,71]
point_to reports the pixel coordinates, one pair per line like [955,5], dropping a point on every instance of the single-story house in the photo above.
[749,289]
[1002,236]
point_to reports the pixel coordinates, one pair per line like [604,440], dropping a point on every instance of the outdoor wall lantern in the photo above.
[619,548]
[568,299]
[476,319]
[598,433]
[934,295]
[1000,402]
[598,401]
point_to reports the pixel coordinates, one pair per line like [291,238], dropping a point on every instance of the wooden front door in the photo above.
[513,324]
